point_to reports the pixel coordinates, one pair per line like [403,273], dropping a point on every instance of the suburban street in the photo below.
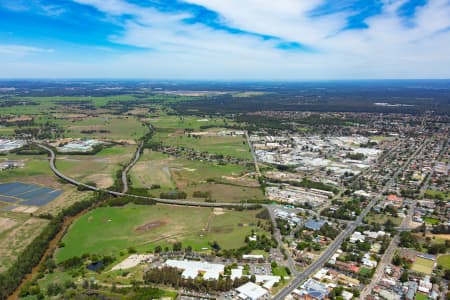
[277,235]
[326,255]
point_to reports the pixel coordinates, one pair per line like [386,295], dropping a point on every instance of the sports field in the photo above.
[423,265]
[109,230]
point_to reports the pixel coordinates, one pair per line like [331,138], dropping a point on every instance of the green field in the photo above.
[423,265]
[99,168]
[432,221]
[109,230]
[381,219]
[444,261]
[280,271]
[193,175]
[119,128]
[431,194]
[220,145]
[170,131]
[174,123]
[35,165]
[420,296]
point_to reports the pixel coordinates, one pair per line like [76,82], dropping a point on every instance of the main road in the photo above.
[326,255]
[137,154]
[119,194]
[252,150]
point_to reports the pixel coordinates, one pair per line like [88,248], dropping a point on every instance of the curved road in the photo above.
[130,165]
[158,200]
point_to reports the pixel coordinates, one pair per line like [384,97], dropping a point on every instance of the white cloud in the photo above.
[386,49]
[21,50]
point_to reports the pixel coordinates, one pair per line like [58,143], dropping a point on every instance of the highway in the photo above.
[119,194]
[326,255]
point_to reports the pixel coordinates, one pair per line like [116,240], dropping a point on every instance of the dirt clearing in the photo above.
[151,225]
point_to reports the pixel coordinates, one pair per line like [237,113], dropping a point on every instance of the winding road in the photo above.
[137,154]
[119,194]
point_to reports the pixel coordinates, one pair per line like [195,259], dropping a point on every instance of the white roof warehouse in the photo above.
[191,269]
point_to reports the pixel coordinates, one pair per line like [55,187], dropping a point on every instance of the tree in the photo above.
[405,276]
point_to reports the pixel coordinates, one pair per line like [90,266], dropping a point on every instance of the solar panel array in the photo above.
[27,194]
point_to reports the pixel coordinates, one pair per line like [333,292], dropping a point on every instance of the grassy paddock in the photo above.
[109,230]
[423,265]
[444,261]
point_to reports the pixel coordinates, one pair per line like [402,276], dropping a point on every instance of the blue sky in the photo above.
[225,39]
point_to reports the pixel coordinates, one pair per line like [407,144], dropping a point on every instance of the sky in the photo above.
[225,39]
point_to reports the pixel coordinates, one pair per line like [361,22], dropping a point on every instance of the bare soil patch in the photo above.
[102,180]
[151,226]
[6,223]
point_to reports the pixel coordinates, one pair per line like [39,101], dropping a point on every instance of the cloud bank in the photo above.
[252,39]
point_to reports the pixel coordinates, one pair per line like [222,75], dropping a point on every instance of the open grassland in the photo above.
[176,123]
[171,131]
[226,193]
[100,168]
[107,127]
[35,165]
[6,131]
[152,168]
[444,261]
[17,230]
[109,230]
[36,171]
[169,172]
[423,265]
[233,146]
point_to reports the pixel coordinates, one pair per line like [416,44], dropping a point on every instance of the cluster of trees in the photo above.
[283,226]
[329,231]
[173,195]
[436,248]
[441,229]
[408,240]
[200,194]
[124,200]
[355,156]
[30,149]
[172,277]
[262,243]
[30,256]
[92,131]
[309,184]
[76,261]
[346,210]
